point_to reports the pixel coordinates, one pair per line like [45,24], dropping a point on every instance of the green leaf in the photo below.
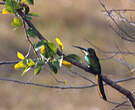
[41,63]
[50,50]
[52,46]
[28,17]
[11,6]
[53,67]
[37,70]
[25,70]
[17,22]
[30,2]
[27,9]
[30,62]
[32,32]
[73,56]
[38,45]
[33,14]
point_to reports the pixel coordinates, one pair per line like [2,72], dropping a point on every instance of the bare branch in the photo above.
[46,85]
[8,62]
[121,10]
[27,36]
[121,30]
[61,87]
[118,105]
[80,75]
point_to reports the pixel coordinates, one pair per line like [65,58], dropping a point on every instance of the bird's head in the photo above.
[91,51]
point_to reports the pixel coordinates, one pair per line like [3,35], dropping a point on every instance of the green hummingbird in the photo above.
[94,64]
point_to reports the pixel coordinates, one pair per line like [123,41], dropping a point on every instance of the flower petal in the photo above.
[67,64]
[20,56]
[42,49]
[20,65]
[59,44]
[5,11]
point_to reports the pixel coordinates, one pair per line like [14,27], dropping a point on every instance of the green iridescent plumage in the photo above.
[95,67]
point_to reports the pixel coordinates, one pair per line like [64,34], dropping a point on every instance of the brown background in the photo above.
[72,21]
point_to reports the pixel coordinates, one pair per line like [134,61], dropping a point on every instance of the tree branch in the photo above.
[122,90]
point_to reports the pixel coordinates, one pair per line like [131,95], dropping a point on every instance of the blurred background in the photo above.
[74,22]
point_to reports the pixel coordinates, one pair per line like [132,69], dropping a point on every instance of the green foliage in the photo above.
[25,70]
[12,6]
[53,66]
[38,45]
[31,32]
[74,57]
[37,70]
[16,22]
[33,14]
[47,50]
[30,2]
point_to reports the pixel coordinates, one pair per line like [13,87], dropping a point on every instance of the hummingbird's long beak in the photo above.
[83,49]
[79,48]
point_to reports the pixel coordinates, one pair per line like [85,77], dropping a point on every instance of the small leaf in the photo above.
[50,51]
[40,63]
[27,9]
[11,6]
[32,32]
[59,44]
[20,56]
[28,17]
[73,56]
[20,65]
[5,11]
[66,64]
[33,14]
[52,46]
[53,67]
[39,45]
[16,22]
[30,62]
[37,70]
[25,70]
[31,2]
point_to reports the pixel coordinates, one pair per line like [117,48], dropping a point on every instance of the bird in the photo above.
[95,67]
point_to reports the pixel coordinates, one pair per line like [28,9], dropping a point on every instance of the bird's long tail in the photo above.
[100,86]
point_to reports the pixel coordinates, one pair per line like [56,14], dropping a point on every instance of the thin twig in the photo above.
[46,85]
[118,105]
[131,38]
[120,10]
[83,77]
[62,87]
[8,62]
[27,36]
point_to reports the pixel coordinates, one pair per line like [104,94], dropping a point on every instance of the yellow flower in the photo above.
[42,49]
[67,64]
[5,11]
[59,44]
[20,56]
[20,65]
[65,82]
